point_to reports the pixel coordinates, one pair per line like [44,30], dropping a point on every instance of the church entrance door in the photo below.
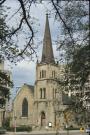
[43,119]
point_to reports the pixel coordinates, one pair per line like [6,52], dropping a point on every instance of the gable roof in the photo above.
[31,88]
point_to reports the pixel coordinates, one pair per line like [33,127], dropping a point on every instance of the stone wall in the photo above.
[17,118]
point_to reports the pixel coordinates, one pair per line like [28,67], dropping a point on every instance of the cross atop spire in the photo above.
[47,53]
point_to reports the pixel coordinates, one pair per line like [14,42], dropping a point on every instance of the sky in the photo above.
[24,71]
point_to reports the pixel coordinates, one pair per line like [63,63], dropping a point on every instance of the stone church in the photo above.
[34,105]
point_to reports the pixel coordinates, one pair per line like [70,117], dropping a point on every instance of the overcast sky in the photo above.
[24,72]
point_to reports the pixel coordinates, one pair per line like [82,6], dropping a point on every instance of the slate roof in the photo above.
[31,87]
[68,100]
[47,52]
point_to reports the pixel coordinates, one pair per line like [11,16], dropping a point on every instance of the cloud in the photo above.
[24,72]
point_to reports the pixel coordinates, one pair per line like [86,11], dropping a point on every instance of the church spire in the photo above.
[47,53]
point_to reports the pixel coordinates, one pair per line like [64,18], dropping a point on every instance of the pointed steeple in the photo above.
[47,52]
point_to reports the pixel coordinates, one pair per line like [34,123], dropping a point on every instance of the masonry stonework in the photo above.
[18,119]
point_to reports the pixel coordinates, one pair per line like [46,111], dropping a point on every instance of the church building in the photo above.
[35,105]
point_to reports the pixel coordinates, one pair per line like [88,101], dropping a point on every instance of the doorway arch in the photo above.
[43,119]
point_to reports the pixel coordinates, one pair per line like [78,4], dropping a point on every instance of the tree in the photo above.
[72,15]
[4,90]
[76,37]
[5,85]
[5,50]
[75,42]
[9,36]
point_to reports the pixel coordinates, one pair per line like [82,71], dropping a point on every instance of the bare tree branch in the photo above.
[2,2]
[18,27]
[28,24]
[24,18]
[57,12]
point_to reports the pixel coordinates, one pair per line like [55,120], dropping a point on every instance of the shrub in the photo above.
[10,129]
[20,128]
[72,128]
[2,130]
[24,128]
[6,123]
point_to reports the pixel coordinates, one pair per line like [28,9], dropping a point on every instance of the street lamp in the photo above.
[14,110]
[14,117]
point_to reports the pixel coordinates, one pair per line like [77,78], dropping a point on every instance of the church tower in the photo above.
[45,85]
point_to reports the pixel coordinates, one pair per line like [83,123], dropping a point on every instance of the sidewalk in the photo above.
[40,132]
[32,132]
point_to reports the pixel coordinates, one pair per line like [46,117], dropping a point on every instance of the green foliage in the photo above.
[75,29]
[81,63]
[72,128]
[5,85]
[24,128]
[2,130]
[6,123]
[3,28]
[21,128]
[75,43]
[8,48]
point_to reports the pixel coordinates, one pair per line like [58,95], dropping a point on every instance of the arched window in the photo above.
[25,108]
